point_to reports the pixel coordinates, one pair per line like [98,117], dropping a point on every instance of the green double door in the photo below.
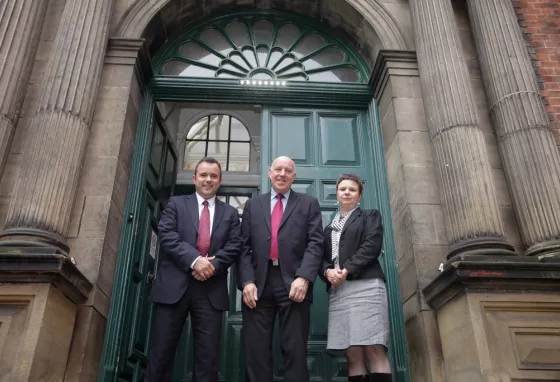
[323,144]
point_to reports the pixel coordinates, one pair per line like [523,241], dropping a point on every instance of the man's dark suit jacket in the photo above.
[300,241]
[359,247]
[178,232]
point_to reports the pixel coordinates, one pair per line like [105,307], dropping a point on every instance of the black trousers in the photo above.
[258,326]
[167,326]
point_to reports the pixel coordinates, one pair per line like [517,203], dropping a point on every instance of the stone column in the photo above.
[20,25]
[468,196]
[44,193]
[528,151]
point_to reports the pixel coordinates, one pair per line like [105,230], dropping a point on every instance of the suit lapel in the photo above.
[351,219]
[265,205]
[292,202]
[192,204]
[218,213]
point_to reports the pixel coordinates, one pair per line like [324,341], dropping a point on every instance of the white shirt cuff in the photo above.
[194,262]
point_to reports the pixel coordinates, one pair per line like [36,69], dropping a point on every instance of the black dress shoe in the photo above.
[380,377]
[359,378]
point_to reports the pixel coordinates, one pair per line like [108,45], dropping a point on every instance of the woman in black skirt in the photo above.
[358,313]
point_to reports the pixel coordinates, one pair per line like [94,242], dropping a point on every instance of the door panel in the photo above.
[125,354]
[323,144]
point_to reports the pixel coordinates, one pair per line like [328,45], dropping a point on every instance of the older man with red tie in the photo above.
[280,258]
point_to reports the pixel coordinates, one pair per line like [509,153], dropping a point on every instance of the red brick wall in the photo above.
[540,25]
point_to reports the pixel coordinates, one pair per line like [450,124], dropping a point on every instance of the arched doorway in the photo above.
[314,104]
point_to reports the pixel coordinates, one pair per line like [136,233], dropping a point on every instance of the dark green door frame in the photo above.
[294,94]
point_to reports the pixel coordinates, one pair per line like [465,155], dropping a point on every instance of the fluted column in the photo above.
[527,148]
[20,25]
[468,196]
[44,192]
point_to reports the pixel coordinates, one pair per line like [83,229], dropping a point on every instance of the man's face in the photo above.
[207,179]
[282,174]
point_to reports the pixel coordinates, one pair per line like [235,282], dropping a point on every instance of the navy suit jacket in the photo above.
[178,233]
[300,241]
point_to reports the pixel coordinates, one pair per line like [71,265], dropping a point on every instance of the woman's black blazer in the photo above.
[360,246]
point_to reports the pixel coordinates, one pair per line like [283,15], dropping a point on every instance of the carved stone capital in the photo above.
[131,52]
[389,63]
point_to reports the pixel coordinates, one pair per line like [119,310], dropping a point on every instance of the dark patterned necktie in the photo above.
[203,242]
[275,220]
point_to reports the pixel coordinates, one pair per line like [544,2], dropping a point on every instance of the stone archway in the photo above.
[366,23]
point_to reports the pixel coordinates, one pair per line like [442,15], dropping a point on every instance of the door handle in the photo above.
[150,278]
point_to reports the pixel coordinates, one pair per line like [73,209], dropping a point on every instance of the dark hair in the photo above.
[354,178]
[208,160]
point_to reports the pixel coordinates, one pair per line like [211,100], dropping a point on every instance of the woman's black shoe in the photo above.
[359,378]
[380,377]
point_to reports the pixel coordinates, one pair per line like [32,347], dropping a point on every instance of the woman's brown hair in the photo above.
[354,178]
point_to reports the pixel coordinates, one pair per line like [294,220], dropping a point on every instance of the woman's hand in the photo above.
[336,276]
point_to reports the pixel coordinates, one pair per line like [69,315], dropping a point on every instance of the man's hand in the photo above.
[336,276]
[203,268]
[298,290]
[250,295]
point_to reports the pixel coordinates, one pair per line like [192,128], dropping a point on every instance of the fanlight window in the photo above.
[222,137]
[257,47]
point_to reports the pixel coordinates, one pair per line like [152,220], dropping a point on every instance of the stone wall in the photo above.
[98,212]
[419,228]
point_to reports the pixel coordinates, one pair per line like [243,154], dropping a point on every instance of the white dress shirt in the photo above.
[211,209]
[274,199]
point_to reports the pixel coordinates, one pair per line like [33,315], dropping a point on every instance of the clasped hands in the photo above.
[336,276]
[298,290]
[203,268]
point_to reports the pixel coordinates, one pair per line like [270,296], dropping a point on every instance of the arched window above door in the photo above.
[261,46]
[222,137]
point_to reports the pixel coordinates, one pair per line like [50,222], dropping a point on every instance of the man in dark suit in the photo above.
[280,258]
[201,238]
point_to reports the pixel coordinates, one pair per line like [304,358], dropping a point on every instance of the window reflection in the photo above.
[238,33]
[308,44]
[263,32]
[327,57]
[216,40]
[222,137]
[238,202]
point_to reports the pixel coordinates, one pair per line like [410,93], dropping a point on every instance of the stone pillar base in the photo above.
[36,325]
[46,265]
[498,321]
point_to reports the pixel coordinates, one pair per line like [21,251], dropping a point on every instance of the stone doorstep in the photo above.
[493,273]
[43,265]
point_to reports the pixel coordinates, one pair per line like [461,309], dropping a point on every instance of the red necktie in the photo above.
[275,220]
[203,242]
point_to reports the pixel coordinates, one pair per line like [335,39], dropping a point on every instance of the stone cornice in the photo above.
[492,273]
[44,265]
[389,63]
[131,52]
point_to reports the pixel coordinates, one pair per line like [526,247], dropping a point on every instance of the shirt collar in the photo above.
[273,194]
[211,201]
